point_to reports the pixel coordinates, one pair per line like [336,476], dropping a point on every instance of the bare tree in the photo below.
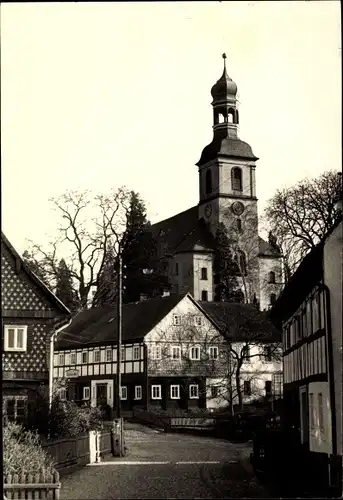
[300,216]
[91,229]
[225,353]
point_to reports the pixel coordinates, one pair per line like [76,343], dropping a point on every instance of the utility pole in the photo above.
[119,437]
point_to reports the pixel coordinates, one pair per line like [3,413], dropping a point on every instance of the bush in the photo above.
[66,418]
[23,453]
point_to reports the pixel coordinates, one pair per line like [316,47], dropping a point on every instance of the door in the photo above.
[304,416]
[101,394]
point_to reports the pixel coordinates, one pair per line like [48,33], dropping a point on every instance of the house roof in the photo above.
[33,277]
[100,325]
[308,274]
[183,232]
[241,322]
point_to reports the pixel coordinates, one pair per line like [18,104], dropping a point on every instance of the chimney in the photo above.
[142,297]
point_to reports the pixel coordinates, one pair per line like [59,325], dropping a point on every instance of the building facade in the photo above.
[227,198]
[310,311]
[30,313]
[175,354]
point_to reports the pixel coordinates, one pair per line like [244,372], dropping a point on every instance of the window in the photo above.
[136,352]
[122,354]
[108,354]
[247,388]
[176,320]
[214,391]
[208,182]
[213,352]
[271,277]
[61,359]
[15,408]
[321,414]
[311,410]
[138,392]
[272,298]
[97,356]
[174,392]
[84,357]
[287,337]
[194,353]
[73,358]
[268,353]
[277,384]
[86,393]
[204,273]
[176,352]
[239,225]
[123,392]
[268,387]
[62,392]
[242,262]
[156,352]
[176,269]
[309,329]
[236,179]
[315,313]
[197,320]
[204,295]
[15,338]
[246,354]
[156,392]
[193,391]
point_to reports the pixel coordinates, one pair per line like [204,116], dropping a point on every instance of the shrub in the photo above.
[66,418]
[23,453]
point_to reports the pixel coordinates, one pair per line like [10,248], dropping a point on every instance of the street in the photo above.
[160,465]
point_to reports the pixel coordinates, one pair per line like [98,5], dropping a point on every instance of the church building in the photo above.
[227,200]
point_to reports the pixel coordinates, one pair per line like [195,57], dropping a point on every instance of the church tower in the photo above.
[227,185]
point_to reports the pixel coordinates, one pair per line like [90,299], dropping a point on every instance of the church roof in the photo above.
[228,147]
[183,232]
[267,250]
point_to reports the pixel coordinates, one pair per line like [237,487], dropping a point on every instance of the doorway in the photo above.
[101,394]
[304,416]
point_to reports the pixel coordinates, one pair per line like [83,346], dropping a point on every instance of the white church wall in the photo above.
[203,261]
[266,266]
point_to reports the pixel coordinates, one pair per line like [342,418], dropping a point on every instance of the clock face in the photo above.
[237,208]
[208,210]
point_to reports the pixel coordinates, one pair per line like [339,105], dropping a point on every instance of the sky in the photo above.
[100,95]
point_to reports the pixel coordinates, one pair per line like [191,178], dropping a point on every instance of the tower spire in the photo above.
[224,57]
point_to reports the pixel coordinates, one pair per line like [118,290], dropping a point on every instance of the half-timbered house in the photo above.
[30,313]
[174,353]
[310,313]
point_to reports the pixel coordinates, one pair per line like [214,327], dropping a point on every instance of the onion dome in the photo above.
[225,87]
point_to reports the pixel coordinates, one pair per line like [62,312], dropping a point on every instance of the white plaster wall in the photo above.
[333,279]
[320,442]
[202,260]
[183,282]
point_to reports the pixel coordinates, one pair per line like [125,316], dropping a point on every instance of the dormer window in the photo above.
[236,179]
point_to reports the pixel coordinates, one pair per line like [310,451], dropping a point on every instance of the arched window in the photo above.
[208,182]
[231,115]
[271,277]
[239,225]
[242,262]
[272,298]
[237,117]
[236,179]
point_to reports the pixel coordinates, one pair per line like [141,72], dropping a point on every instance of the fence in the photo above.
[68,452]
[28,486]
